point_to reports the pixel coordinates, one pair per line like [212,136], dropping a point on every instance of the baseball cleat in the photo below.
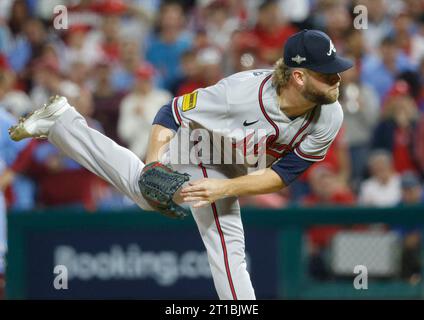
[38,123]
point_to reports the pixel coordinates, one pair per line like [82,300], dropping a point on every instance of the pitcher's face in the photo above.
[321,88]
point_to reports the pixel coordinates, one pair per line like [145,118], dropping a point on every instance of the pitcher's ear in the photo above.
[299,76]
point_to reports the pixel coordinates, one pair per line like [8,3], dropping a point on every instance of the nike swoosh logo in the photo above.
[245,123]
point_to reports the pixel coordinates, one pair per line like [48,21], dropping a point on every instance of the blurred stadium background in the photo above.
[120,61]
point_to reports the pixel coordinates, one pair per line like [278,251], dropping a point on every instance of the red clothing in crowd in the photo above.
[419,144]
[402,158]
[70,187]
[341,197]
[59,187]
[188,87]
[111,50]
[274,40]
[320,236]
[332,157]
[106,112]
[20,165]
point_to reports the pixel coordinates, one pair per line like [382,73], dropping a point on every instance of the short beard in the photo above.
[312,94]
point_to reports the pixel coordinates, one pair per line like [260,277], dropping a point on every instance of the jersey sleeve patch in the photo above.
[189,101]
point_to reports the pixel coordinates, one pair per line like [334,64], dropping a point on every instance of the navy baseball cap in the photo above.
[314,50]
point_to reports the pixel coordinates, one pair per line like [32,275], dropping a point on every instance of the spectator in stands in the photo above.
[60,180]
[79,74]
[420,95]
[337,22]
[168,43]
[37,37]
[380,70]
[361,113]
[3,235]
[138,19]
[297,11]
[138,110]
[379,22]
[276,200]
[412,195]
[106,100]
[244,53]
[19,50]
[191,73]
[122,76]
[395,132]
[383,188]
[412,190]
[17,193]
[327,189]
[355,45]
[210,63]
[80,47]
[8,153]
[111,11]
[271,31]
[201,40]
[408,37]
[411,265]
[419,144]
[220,24]
[413,79]
[49,81]
[337,159]
[12,99]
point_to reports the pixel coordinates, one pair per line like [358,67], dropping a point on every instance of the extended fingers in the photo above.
[202,193]
[194,198]
[198,200]
[201,204]
[190,189]
[196,182]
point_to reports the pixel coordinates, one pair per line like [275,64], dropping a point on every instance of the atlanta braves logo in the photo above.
[332,49]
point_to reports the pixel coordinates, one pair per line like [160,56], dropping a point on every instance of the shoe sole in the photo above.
[19,131]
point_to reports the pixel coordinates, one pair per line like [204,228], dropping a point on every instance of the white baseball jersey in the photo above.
[247,101]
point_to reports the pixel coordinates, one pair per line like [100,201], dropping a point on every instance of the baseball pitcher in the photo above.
[251,133]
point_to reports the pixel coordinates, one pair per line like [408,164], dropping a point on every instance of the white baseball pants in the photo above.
[219,224]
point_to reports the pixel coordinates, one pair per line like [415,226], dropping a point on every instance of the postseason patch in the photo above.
[189,101]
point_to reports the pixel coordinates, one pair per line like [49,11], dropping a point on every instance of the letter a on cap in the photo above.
[332,49]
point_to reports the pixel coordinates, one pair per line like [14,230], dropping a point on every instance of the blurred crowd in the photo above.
[119,61]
